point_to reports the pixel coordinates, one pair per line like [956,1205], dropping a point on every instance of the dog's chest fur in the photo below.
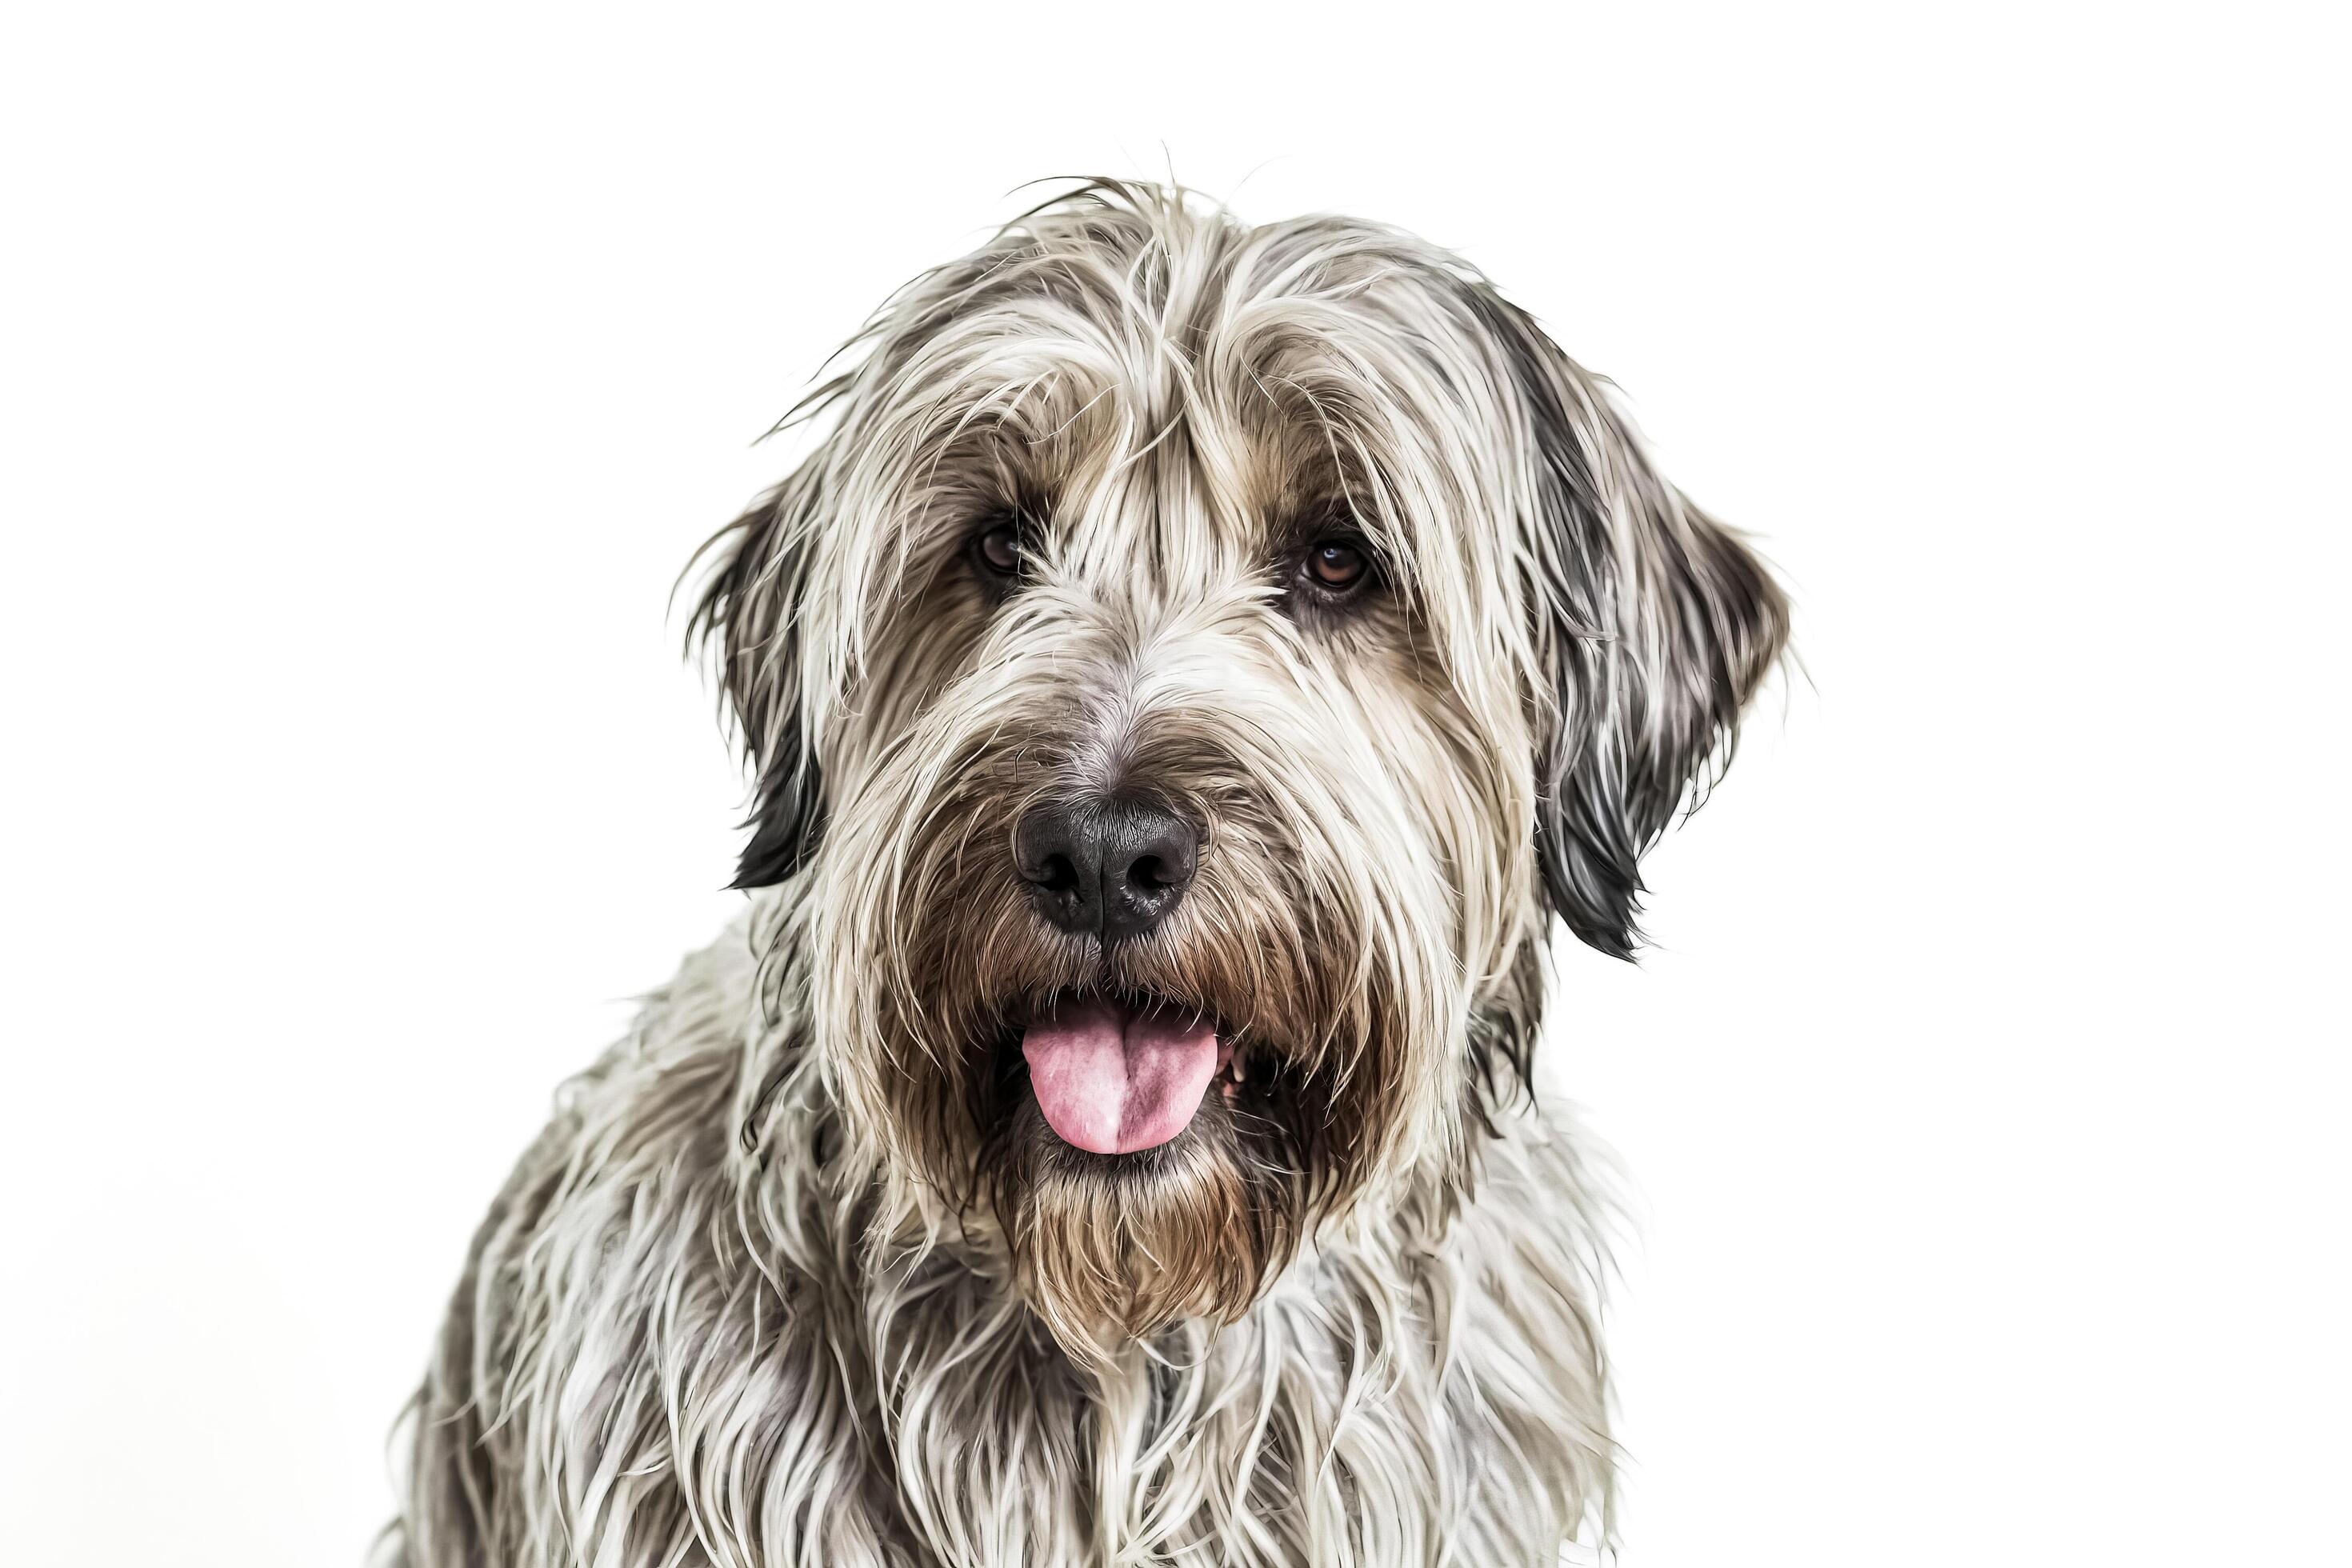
[672,1348]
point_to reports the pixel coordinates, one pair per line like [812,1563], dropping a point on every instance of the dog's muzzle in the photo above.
[1113,1074]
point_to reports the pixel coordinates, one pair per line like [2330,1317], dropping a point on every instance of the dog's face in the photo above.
[1189,674]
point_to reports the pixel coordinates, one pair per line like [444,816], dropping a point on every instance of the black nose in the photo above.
[1112,869]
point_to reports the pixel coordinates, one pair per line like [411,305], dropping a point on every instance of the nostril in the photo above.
[1154,863]
[1049,851]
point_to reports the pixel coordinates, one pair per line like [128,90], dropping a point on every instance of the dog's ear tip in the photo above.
[761,867]
[1623,943]
[1594,888]
[786,827]
[782,843]
[1625,947]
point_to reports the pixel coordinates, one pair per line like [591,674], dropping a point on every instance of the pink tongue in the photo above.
[1113,1083]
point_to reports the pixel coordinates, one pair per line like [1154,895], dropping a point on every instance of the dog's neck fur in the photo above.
[695,1330]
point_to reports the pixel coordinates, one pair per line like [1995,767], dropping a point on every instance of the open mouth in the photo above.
[1116,1075]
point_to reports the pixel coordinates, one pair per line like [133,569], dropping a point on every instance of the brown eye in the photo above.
[1337,563]
[999,549]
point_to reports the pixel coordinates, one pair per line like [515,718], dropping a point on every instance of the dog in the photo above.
[1192,671]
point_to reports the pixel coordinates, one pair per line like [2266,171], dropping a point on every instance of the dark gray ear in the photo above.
[1657,624]
[751,608]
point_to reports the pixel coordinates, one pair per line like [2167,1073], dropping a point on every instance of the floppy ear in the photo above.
[1656,623]
[750,607]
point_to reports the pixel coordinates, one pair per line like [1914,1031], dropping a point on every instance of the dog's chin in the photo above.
[1145,1165]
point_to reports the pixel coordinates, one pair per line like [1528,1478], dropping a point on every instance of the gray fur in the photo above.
[793,1278]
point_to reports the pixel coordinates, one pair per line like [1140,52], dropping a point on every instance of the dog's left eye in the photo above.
[1335,575]
[1336,564]
[998,548]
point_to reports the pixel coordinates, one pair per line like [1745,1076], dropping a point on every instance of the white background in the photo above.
[370,374]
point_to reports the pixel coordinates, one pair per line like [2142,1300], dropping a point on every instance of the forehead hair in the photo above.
[1130,358]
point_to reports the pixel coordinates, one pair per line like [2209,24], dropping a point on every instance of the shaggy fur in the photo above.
[798,1275]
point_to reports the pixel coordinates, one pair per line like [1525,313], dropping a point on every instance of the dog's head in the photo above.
[1191,670]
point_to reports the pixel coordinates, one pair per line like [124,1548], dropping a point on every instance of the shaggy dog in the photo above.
[1192,670]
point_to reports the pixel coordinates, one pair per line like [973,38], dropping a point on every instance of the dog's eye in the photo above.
[998,548]
[1337,564]
[1335,575]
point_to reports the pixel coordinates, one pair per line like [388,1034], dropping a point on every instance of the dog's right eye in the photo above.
[998,549]
[1337,564]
